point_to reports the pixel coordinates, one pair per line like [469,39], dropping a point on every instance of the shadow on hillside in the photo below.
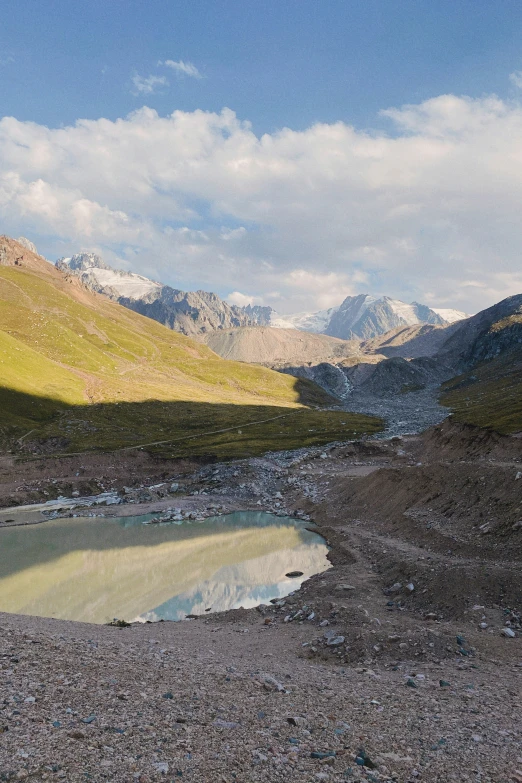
[38,426]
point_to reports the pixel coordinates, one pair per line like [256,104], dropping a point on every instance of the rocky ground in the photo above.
[404,414]
[402,662]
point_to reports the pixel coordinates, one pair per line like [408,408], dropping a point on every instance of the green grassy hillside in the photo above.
[77,367]
[488,396]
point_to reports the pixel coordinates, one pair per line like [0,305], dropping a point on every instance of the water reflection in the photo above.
[94,569]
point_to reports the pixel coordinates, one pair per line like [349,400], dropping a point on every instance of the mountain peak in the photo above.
[82,262]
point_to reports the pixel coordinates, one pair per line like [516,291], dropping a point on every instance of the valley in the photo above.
[307,547]
[411,619]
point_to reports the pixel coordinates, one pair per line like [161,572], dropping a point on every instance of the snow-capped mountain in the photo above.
[96,274]
[189,312]
[365,317]
[199,312]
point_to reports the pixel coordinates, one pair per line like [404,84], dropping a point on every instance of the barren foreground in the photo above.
[402,662]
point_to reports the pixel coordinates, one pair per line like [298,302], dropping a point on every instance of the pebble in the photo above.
[271,684]
[335,641]
[317,754]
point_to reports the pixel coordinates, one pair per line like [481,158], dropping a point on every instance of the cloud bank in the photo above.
[295,219]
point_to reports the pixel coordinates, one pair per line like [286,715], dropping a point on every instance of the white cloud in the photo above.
[181,68]
[242,300]
[516,79]
[147,85]
[298,219]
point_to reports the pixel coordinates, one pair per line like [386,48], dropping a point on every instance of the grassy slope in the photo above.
[74,365]
[489,396]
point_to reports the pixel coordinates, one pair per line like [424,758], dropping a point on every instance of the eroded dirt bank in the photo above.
[402,662]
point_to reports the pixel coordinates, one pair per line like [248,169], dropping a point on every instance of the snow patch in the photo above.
[449,315]
[404,311]
[127,284]
[305,322]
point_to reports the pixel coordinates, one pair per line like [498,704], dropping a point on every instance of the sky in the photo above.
[280,152]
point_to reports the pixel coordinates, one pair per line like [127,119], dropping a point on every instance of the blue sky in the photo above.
[276,64]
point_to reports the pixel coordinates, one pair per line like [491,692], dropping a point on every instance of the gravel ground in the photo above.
[410,693]
[404,414]
[232,702]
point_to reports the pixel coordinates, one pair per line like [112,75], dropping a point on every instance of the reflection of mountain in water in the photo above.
[97,569]
[246,584]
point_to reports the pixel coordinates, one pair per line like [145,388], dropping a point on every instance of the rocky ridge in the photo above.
[200,312]
[190,312]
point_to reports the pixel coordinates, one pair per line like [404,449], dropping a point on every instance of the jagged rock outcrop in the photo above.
[193,313]
[28,245]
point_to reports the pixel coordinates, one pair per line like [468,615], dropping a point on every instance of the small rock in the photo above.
[161,766]
[294,574]
[395,588]
[508,633]
[335,641]
[271,684]
[296,720]
[317,754]
[225,724]
[363,760]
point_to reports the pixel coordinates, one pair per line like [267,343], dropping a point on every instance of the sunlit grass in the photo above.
[78,368]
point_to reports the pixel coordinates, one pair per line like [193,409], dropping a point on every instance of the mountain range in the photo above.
[198,312]
[78,371]
[364,316]
[190,312]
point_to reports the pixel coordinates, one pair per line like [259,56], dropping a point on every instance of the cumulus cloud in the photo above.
[242,300]
[295,219]
[147,85]
[181,68]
